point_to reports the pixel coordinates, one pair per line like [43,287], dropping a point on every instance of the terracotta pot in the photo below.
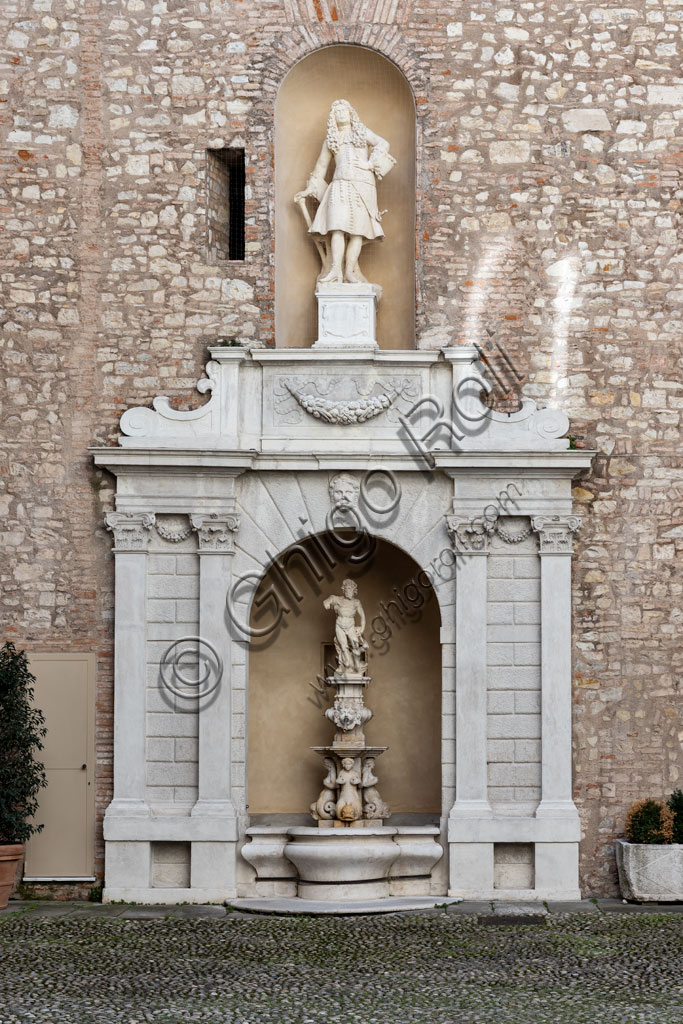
[9,858]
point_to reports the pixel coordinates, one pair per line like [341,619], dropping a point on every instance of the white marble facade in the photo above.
[214,494]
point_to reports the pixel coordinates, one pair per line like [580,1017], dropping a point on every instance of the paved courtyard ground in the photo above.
[81,964]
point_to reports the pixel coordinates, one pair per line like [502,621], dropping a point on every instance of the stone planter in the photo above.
[649,872]
[342,863]
[10,855]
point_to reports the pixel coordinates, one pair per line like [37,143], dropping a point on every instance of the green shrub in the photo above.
[649,821]
[675,805]
[95,894]
[22,731]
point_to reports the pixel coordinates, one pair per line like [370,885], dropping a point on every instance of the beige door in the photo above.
[64,692]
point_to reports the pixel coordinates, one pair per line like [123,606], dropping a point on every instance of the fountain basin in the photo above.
[420,851]
[342,863]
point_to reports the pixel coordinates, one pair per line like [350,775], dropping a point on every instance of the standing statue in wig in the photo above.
[347,216]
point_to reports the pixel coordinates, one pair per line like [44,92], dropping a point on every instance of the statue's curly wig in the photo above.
[359,133]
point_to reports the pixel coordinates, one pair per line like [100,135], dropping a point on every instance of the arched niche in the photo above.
[384,101]
[286,712]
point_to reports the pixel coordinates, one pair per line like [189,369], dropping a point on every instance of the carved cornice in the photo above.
[215,532]
[131,529]
[469,536]
[556,533]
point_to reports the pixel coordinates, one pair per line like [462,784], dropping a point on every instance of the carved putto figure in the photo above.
[350,644]
[347,216]
[349,804]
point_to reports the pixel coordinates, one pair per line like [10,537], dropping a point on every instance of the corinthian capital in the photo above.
[215,532]
[130,529]
[556,533]
[469,536]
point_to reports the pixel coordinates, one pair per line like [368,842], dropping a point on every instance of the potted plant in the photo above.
[22,777]
[650,859]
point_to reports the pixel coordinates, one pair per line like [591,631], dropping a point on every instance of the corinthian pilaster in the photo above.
[215,532]
[470,540]
[469,536]
[555,533]
[555,545]
[216,547]
[131,529]
[131,538]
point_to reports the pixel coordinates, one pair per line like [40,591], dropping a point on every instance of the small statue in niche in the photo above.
[373,805]
[347,216]
[325,807]
[350,644]
[349,804]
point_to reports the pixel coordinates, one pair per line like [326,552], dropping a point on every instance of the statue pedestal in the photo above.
[347,316]
[349,797]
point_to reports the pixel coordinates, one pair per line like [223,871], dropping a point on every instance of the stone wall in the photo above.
[548,221]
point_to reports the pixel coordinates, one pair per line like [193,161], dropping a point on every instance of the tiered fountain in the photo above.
[350,854]
[349,796]
[352,862]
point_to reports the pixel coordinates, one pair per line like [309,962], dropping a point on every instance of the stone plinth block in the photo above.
[649,872]
[342,863]
[347,316]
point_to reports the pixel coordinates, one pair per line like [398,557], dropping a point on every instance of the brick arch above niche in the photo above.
[387,40]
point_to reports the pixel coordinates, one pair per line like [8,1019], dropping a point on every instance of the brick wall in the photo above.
[541,223]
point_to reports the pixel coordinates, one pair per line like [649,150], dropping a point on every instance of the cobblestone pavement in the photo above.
[464,965]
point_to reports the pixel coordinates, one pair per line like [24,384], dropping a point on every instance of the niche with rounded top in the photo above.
[286,699]
[383,99]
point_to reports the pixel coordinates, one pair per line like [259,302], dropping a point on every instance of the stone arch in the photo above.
[286,695]
[384,97]
[281,508]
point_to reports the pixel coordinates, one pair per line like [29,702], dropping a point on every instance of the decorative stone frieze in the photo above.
[215,533]
[131,529]
[556,533]
[342,399]
[508,537]
[343,412]
[173,529]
